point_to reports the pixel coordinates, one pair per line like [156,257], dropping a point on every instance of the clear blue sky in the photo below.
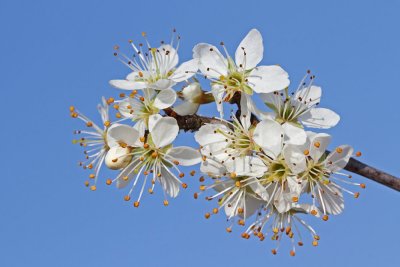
[58,53]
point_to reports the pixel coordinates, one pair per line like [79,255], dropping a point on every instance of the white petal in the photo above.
[295,158]
[245,113]
[162,84]
[319,144]
[246,166]
[320,118]
[218,93]
[186,156]
[164,131]
[136,76]
[185,70]
[121,133]
[167,58]
[165,99]
[186,108]
[212,168]
[331,198]
[153,119]
[267,79]
[337,161]
[294,134]
[268,135]
[191,91]
[169,182]
[311,95]
[252,46]
[211,62]
[259,189]
[209,137]
[128,85]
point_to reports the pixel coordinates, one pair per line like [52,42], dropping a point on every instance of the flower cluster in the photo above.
[266,168]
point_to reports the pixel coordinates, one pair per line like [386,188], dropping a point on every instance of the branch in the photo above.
[194,122]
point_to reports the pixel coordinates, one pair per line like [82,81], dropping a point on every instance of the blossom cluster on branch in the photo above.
[264,166]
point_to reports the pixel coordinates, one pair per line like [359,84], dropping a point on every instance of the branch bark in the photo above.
[194,122]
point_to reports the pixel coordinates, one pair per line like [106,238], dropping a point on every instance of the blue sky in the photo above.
[58,53]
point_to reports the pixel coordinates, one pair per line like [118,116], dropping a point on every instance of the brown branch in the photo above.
[194,122]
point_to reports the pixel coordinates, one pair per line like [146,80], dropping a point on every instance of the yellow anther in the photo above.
[141,158]
[90,166]
[195,195]
[358,154]
[300,244]
[314,212]
[184,185]
[356,195]
[108,181]
[93,188]
[325,217]
[292,253]
[288,230]
[154,154]
[89,124]
[273,251]
[339,150]
[116,106]
[241,222]
[229,230]
[315,243]
[240,210]
[136,204]
[291,235]
[306,152]
[192,173]
[245,235]
[275,230]
[233,175]
[127,198]
[150,191]
[204,158]
[146,145]
[316,237]
[125,178]
[146,173]
[201,179]
[74,115]
[86,183]
[165,202]
[91,176]
[295,199]
[144,34]
[202,187]
[237,183]
[181,175]
[362,186]
[122,144]
[215,210]
[110,100]
[142,139]
[222,78]
[121,95]
[176,162]
[71,108]
[107,123]
[317,144]
[207,215]
[118,115]
[140,74]
[141,98]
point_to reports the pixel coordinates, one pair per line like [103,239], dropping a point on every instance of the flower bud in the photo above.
[117,157]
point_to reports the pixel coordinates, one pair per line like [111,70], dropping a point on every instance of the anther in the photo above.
[356,195]
[93,188]
[317,144]
[229,230]
[325,217]
[108,181]
[215,210]
[295,199]
[306,152]
[339,150]
[86,183]
[362,186]
[184,185]
[292,253]
[165,202]
[358,154]
[127,198]
[207,215]
[136,204]
[91,176]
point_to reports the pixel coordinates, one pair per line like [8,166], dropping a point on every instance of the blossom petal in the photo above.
[320,118]
[268,134]
[267,79]
[294,134]
[186,156]
[186,108]
[128,85]
[295,158]
[153,119]
[121,133]
[319,144]
[164,131]
[331,199]
[211,62]
[250,50]
[246,166]
[165,99]
[338,159]
[218,93]
[309,95]
[162,84]
[167,58]
[212,168]
[185,70]
[169,182]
